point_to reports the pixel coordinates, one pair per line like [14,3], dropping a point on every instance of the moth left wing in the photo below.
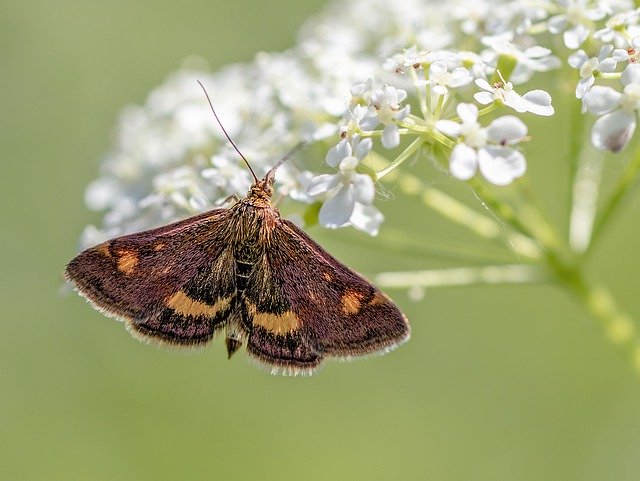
[302,304]
[174,284]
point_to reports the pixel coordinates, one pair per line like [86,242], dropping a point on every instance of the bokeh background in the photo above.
[502,383]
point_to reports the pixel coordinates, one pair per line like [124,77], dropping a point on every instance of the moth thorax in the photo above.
[248,253]
[260,194]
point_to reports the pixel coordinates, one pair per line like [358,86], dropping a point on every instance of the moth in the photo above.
[244,271]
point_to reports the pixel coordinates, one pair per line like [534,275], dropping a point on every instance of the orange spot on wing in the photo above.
[104,249]
[327,277]
[158,246]
[378,298]
[181,303]
[352,302]
[279,324]
[127,261]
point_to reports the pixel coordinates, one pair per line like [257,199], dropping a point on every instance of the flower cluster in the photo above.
[366,77]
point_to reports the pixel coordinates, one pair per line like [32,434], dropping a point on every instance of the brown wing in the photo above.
[174,284]
[302,304]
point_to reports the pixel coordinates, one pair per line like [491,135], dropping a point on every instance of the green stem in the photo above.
[420,92]
[438,110]
[626,181]
[586,190]
[523,222]
[534,218]
[408,152]
[609,76]
[617,326]
[461,276]
[576,143]
[459,213]
[378,133]
[398,241]
[489,108]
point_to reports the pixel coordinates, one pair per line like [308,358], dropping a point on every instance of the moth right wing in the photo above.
[301,304]
[174,284]
[344,315]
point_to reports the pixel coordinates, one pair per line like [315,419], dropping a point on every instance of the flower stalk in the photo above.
[626,181]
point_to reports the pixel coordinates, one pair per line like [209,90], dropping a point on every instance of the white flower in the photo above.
[359,118]
[588,66]
[471,15]
[272,103]
[294,184]
[395,63]
[366,218]
[630,54]
[575,22]
[412,57]
[345,150]
[349,193]
[536,101]
[498,162]
[474,63]
[230,176]
[613,130]
[387,105]
[181,188]
[441,79]
[530,58]
[361,93]
[618,28]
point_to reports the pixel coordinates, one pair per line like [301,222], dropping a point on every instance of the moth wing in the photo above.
[174,284]
[302,304]
[342,312]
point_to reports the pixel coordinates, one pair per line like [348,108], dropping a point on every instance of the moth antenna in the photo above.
[293,152]
[225,132]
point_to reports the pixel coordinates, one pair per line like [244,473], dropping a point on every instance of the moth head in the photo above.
[261,192]
[266,184]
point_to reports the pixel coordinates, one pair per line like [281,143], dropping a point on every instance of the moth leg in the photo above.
[233,197]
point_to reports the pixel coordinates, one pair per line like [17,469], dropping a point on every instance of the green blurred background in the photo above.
[504,383]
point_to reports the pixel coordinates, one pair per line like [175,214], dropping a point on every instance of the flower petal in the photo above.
[460,76]
[574,37]
[538,102]
[612,131]
[369,122]
[557,23]
[483,84]
[336,211]
[576,59]
[363,148]
[483,98]
[468,113]
[501,165]
[391,136]
[584,85]
[608,65]
[363,189]
[367,218]
[506,129]
[437,68]
[463,163]
[600,100]
[439,90]
[448,127]
[322,183]
[338,152]
[631,74]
